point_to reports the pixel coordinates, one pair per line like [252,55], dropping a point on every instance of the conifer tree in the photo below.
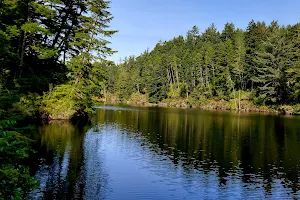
[272,61]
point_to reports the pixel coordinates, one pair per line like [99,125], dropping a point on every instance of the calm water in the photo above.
[158,153]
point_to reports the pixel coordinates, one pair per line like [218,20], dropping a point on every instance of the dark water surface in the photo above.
[159,153]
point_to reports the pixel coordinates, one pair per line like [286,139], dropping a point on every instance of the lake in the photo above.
[168,153]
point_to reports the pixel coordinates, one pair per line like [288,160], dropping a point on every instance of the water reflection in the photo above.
[60,164]
[158,153]
[263,150]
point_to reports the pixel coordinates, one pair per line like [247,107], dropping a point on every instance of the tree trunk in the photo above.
[239,99]
[23,42]
[172,80]
[187,92]
[104,94]
[172,74]
[177,79]
[64,56]
[235,99]
[22,52]
[62,25]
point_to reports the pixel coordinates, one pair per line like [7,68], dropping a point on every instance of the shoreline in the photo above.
[281,110]
[210,105]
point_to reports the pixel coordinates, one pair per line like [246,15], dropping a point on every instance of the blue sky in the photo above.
[142,23]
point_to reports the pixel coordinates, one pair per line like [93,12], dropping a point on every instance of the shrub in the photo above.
[28,105]
[138,98]
[61,101]
[16,181]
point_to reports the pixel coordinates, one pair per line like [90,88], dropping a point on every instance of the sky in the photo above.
[142,23]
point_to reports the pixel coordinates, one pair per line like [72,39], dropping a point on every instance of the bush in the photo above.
[258,101]
[175,92]
[28,105]
[16,181]
[60,102]
[138,98]
[197,101]
[110,98]
[241,94]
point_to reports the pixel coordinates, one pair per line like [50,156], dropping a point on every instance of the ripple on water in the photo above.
[130,155]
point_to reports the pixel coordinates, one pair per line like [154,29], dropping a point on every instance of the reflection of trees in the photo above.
[264,145]
[61,173]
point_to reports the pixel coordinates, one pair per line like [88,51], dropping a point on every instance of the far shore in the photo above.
[215,105]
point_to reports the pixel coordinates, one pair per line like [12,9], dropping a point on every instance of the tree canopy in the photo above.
[212,64]
[51,53]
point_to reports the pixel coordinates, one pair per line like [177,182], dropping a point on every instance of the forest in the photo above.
[255,69]
[50,57]
[54,65]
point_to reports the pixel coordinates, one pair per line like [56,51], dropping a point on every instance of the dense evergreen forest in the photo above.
[53,65]
[50,57]
[231,69]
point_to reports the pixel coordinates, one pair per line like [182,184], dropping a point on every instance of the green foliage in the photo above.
[296,109]
[14,146]
[197,99]
[33,27]
[28,105]
[62,101]
[56,42]
[272,61]
[259,64]
[138,99]
[46,42]
[175,91]
[16,181]
[45,53]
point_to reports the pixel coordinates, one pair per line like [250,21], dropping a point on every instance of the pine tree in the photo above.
[272,61]
[294,70]
[239,60]
[222,65]
[255,34]
[87,48]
